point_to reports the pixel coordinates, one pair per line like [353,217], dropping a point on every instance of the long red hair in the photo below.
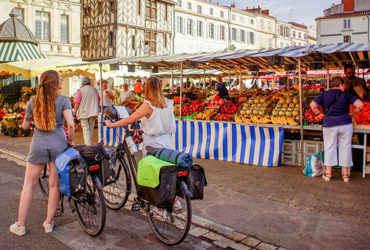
[44,101]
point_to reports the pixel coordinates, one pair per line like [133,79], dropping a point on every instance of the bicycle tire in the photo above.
[165,223]
[116,194]
[92,201]
[44,182]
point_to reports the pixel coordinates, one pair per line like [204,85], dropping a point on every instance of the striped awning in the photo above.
[19,51]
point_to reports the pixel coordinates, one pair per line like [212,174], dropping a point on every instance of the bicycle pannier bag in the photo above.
[72,172]
[91,153]
[108,173]
[157,182]
[196,180]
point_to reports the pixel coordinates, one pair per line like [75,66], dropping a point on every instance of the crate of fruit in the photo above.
[189,109]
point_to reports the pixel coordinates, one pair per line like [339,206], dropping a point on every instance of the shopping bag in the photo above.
[315,165]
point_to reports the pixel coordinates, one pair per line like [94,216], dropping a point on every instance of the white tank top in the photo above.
[107,101]
[162,121]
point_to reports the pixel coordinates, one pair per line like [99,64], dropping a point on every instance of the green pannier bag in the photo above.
[157,181]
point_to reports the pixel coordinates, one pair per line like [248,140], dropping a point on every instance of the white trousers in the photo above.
[88,129]
[338,145]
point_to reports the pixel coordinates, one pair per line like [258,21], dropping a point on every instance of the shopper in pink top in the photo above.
[86,105]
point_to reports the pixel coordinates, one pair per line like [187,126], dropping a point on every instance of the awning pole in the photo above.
[327,79]
[171,80]
[300,109]
[204,76]
[101,86]
[240,80]
[229,78]
[181,79]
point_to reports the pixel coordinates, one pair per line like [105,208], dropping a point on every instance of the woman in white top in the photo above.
[156,114]
[107,95]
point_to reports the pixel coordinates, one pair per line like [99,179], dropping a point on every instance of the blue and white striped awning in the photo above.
[19,51]
[334,56]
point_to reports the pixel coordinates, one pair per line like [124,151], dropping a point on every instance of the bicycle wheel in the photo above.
[171,227]
[44,182]
[90,209]
[117,193]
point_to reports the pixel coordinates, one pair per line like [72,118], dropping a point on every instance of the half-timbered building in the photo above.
[120,28]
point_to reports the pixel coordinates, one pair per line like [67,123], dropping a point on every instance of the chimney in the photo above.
[348,5]
[266,12]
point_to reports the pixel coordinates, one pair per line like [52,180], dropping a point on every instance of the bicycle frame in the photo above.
[123,149]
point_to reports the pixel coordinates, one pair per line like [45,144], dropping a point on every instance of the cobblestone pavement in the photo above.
[204,234]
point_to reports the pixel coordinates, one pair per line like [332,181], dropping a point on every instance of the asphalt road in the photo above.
[124,229]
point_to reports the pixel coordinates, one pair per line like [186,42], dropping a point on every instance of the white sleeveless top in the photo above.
[162,121]
[107,101]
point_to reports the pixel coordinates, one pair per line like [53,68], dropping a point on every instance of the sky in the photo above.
[299,11]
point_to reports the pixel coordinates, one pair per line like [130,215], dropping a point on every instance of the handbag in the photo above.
[360,91]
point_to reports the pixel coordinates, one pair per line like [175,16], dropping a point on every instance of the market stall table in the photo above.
[253,144]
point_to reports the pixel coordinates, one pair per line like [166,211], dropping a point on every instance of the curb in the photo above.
[220,235]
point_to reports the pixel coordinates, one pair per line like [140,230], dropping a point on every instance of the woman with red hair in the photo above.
[49,111]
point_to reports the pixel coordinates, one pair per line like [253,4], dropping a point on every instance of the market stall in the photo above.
[331,56]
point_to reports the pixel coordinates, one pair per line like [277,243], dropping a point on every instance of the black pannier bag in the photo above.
[77,176]
[92,154]
[196,180]
[162,196]
[108,171]
[98,155]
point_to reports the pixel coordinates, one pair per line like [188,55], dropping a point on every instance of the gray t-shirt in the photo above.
[61,103]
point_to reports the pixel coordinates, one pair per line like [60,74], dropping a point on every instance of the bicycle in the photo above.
[170,226]
[89,205]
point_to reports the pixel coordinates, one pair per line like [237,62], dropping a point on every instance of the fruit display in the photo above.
[310,117]
[286,111]
[177,99]
[257,110]
[223,117]
[230,108]
[206,114]
[215,103]
[362,117]
[190,108]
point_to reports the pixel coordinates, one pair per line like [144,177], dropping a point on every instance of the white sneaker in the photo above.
[19,231]
[48,227]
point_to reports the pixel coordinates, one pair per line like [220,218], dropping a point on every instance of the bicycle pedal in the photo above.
[135,207]
[58,212]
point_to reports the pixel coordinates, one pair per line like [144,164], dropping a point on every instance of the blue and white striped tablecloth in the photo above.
[219,141]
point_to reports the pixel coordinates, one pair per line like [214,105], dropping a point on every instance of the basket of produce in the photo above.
[188,110]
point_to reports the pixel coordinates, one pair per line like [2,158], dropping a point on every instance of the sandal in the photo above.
[345,178]
[326,177]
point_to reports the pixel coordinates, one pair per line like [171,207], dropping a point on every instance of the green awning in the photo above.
[19,51]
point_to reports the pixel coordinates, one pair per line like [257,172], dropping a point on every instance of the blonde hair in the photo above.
[153,92]
[44,101]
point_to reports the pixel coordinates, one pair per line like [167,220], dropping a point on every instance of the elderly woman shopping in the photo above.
[337,125]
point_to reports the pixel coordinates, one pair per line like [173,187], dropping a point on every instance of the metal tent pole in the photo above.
[181,80]
[229,78]
[204,78]
[240,80]
[171,80]
[301,109]
[101,86]
[327,79]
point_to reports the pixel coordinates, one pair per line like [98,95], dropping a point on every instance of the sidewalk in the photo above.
[279,205]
